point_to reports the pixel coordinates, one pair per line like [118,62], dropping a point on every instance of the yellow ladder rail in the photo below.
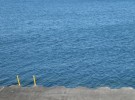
[34,80]
[18,80]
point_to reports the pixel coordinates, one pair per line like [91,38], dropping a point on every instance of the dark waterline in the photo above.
[68,43]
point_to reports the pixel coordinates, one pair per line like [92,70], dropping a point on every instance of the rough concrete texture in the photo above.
[62,93]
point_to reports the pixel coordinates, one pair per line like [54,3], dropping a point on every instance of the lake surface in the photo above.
[70,43]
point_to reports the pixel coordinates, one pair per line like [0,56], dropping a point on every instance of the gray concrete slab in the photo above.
[62,93]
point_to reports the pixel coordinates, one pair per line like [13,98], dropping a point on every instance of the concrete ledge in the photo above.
[62,93]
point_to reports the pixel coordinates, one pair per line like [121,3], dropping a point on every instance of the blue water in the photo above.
[70,43]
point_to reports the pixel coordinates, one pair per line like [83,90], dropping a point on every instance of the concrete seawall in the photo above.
[62,93]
